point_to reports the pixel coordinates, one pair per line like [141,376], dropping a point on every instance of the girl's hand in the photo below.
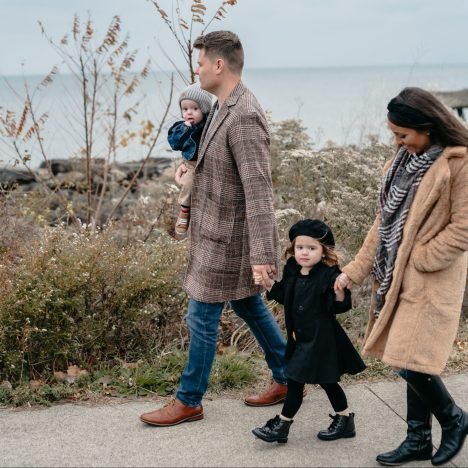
[343,281]
[264,274]
[259,280]
[340,294]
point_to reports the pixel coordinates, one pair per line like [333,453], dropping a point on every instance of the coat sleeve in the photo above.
[334,306]
[250,144]
[276,293]
[343,306]
[178,135]
[361,267]
[452,241]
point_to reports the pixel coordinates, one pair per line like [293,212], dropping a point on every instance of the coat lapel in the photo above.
[211,126]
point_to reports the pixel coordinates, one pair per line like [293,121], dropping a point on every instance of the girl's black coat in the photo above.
[322,351]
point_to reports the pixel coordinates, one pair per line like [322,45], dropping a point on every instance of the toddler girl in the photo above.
[318,350]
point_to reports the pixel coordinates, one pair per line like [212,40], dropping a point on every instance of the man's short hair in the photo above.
[224,44]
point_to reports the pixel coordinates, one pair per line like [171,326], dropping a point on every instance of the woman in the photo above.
[417,252]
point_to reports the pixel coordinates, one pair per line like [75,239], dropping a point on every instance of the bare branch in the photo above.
[145,160]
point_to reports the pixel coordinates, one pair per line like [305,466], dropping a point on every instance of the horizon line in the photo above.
[310,67]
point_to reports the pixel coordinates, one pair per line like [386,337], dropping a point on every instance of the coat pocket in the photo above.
[445,288]
[217,221]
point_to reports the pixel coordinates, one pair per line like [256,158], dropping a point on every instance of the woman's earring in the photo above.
[428,133]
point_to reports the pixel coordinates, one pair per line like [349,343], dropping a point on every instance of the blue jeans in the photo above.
[203,323]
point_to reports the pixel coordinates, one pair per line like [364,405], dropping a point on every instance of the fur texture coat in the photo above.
[418,323]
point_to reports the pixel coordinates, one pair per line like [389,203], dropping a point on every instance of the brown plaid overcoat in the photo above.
[232,222]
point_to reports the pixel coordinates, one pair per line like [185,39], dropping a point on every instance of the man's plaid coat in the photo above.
[232,222]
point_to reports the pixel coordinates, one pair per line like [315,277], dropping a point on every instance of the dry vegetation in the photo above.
[93,304]
[86,311]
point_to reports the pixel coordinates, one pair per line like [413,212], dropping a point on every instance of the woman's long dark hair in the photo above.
[426,113]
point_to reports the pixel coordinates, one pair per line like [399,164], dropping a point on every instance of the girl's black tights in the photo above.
[294,397]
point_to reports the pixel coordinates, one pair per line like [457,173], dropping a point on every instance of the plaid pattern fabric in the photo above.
[395,199]
[233,222]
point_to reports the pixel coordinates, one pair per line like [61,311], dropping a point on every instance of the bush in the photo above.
[338,185]
[85,298]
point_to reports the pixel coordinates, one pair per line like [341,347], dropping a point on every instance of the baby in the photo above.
[184,136]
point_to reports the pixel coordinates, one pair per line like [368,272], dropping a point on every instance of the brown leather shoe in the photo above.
[174,412]
[274,394]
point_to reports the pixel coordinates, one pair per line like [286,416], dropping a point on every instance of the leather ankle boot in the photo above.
[340,427]
[418,442]
[275,430]
[452,419]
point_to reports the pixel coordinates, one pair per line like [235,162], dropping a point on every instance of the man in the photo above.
[233,232]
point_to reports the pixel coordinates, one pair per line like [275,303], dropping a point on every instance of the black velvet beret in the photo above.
[313,228]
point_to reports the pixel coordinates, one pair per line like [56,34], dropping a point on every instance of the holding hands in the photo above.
[263,275]
[342,282]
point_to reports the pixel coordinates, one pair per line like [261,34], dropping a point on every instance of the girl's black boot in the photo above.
[341,427]
[452,419]
[418,442]
[275,430]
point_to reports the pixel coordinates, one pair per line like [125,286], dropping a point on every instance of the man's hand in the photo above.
[264,274]
[181,170]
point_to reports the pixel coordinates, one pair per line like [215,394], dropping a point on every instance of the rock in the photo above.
[11,176]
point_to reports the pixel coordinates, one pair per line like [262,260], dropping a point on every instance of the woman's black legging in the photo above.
[295,394]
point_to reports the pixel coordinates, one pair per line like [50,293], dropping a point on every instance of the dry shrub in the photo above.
[85,298]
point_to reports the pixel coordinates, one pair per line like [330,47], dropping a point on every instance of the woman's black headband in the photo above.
[405,116]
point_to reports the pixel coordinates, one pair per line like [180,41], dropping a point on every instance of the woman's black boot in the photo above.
[418,442]
[340,427]
[275,430]
[452,419]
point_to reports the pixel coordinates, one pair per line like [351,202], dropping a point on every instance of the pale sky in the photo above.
[275,33]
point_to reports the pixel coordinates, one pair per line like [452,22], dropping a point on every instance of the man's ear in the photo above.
[219,65]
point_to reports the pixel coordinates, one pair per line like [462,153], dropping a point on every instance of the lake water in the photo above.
[339,104]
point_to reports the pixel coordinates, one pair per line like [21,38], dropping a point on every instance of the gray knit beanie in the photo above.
[198,95]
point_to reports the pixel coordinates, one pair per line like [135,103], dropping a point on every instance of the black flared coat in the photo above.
[321,351]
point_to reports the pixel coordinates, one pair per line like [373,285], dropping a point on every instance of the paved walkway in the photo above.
[112,435]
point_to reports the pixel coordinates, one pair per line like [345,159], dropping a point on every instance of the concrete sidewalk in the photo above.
[112,435]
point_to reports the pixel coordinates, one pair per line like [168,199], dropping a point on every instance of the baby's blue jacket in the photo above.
[183,138]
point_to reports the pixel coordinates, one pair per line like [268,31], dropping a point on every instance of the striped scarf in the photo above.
[394,202]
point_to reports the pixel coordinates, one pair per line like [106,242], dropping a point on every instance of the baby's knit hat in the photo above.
[198,95]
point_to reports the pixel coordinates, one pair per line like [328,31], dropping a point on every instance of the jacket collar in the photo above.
[455,152]
[292,268]
[235,94]
[211,127]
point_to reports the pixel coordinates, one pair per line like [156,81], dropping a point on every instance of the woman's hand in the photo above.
[343,281]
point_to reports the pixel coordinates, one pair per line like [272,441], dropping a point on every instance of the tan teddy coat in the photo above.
[417,326]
